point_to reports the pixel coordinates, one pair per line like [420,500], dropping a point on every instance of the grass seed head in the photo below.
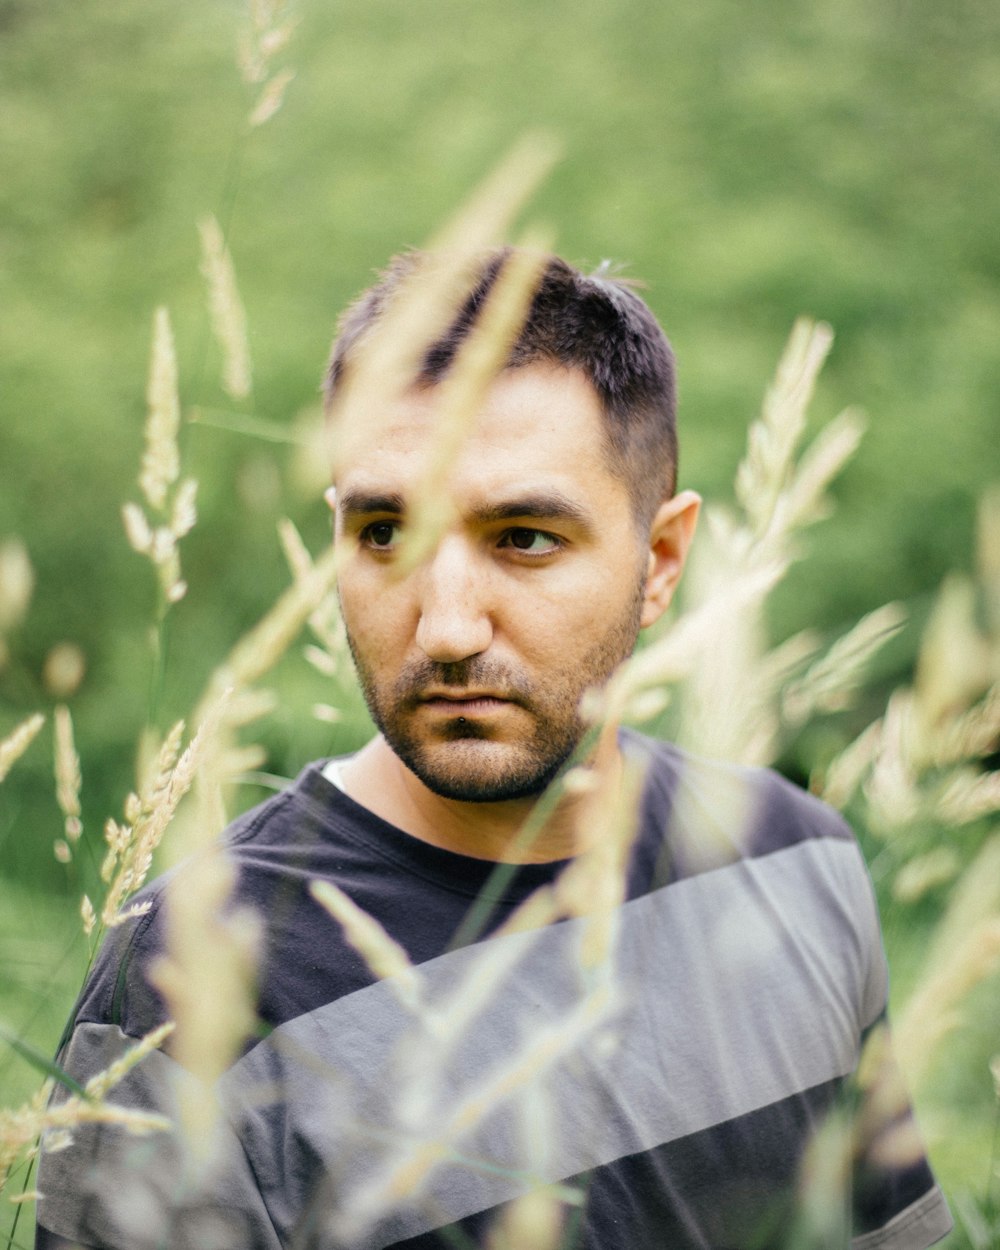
[17,742]
[67,770]
[17,580]
[229,323]
[532,1222]
[161,458]
[271,98]
[64,670]
[208,979]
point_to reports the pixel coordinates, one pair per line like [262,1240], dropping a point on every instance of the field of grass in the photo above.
[749,164]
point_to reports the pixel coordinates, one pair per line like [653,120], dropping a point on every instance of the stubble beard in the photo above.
[463,759]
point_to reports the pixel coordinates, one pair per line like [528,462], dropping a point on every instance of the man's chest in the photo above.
[678,1078]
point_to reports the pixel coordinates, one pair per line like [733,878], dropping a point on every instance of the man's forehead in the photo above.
[543,415]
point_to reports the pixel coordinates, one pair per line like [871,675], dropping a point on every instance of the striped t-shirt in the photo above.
[671,1082]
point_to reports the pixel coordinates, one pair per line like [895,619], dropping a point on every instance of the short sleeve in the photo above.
[117,1190]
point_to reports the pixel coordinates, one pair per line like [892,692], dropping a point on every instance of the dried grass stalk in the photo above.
[383,955]
[207,978]
[387,360]
[773,438]
[271,98]
[954,666]
[892,791]
[824,1182]
[147,815]
[461,395]
[969,796]
[830,683]
[593,886]
[732,706]
[17,580]
[100,1085]
[699,632]
[544,1049]
[21,1128]
[68,779]
[842,776]
[884,1128]
[207,973]
[970,736]
[88,915]
[407,1169]
[923,873]
[933,1010]
[804,502]
[266,34]
[965,950]
[485,218]
[449,1020]
[270,638]
[229,322]
[17,742]
[161,458]
[988,562]
[297,555]
[728,708]
[333,656]
[174,504]
[64,670]
[531,1222]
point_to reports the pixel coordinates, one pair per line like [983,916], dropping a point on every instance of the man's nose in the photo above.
[454,623]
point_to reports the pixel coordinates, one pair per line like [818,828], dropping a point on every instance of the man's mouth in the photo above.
[464,702]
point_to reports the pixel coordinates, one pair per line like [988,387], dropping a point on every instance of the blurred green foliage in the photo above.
[749,161]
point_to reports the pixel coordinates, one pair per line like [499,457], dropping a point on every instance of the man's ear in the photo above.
[670,534]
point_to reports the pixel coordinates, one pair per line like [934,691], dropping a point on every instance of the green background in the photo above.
[749,161]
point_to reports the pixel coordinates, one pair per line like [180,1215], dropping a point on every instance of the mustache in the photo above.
[476,672]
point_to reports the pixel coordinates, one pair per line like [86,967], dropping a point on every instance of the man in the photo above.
[669,1070]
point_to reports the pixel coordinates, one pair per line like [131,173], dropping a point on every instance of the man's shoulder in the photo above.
[119,989]
[711,812]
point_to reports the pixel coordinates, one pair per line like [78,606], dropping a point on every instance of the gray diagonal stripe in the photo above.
[732,990]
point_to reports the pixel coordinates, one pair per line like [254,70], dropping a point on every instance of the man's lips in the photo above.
[465,702]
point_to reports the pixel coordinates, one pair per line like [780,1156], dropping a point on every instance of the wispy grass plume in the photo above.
[229,322]
[161,458]
[266,34]
[68,782]
[17,742]
[461,395]
[171,502]
[207,978]
[387,359]
[148,813]
[17,580]
[52,1121]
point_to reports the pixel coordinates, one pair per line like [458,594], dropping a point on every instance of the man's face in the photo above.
[473,664]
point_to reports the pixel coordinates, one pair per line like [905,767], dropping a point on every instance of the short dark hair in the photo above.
[595,323]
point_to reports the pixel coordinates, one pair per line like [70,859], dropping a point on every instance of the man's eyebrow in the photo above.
[537,506]
[364,502]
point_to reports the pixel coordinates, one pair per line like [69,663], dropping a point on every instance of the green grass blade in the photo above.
[43,1064]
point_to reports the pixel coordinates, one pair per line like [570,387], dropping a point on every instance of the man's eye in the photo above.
[381,535]
[534,542]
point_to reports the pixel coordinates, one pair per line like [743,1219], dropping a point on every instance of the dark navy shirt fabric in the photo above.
[745,973]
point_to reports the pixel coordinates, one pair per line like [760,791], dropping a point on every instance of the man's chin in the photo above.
[475,771]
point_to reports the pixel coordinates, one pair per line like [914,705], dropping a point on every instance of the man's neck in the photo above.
[378,780]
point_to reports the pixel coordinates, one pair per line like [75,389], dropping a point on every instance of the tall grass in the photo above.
[914,776]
